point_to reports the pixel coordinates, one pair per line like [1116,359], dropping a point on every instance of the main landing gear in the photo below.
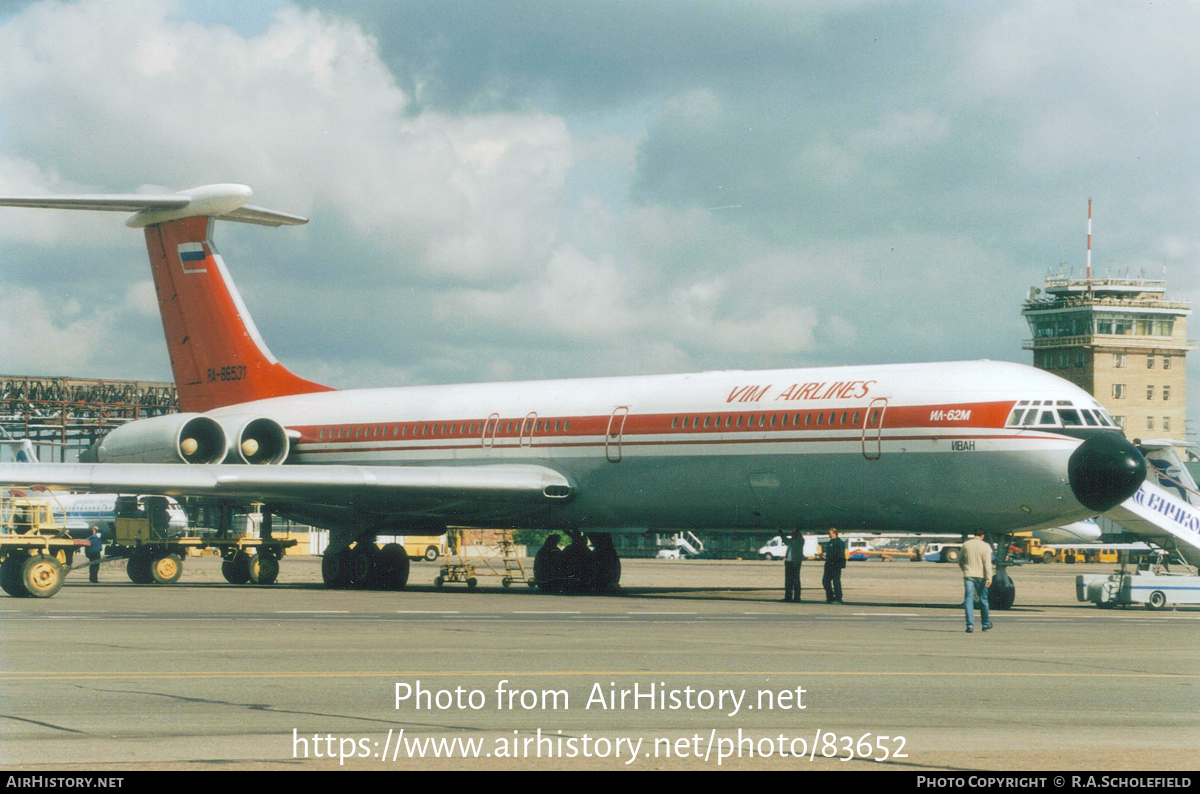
[365,566]
[578,568]
[1003,593]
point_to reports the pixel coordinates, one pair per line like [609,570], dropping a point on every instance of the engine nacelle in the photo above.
[176,438]
[255,440]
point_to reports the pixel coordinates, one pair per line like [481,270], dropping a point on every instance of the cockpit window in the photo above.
[1015,419]
[1070,418]
[1030,418]
[1048,418]
[1087,417]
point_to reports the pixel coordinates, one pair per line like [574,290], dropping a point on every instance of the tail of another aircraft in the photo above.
[26,453]
[217,355]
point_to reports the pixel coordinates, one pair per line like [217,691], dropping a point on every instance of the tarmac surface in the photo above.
[207,675]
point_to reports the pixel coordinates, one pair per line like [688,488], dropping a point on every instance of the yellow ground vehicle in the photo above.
[424,547]
[154,557]
[1037,551]
[35,550]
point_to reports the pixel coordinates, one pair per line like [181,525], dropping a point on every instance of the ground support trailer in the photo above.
[153,557]
[34,566]
[160,560]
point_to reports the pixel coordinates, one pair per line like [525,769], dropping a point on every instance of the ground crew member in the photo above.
[835,561]
[791,568]
[94,549]
[975,559]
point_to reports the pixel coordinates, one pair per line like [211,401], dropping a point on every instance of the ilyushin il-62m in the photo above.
[925,448]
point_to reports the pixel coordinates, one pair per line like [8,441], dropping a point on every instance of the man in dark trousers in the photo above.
[835,561]
[791,568]
[94,549]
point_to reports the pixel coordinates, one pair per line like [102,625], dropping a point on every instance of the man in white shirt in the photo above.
[975,559]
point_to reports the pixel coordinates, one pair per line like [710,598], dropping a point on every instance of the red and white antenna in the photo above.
[1089,250]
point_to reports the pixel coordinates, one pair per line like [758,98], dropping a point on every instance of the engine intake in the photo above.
[176,438]
[258,441]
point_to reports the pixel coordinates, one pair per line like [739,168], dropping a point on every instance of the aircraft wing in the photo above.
[424,490]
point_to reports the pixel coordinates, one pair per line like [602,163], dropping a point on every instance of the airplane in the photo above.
[77,513]
[924,447]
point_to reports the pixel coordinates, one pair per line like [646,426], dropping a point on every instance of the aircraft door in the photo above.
[872,438]
[612,437]
[489,431]
[527,427]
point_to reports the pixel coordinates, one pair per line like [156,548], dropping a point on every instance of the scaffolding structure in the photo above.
[68,415]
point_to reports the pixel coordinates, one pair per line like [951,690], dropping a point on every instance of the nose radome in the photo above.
[1105,470]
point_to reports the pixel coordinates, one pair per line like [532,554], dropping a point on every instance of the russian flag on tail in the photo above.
[192,256]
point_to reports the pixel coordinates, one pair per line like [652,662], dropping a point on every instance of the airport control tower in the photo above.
[1123,341]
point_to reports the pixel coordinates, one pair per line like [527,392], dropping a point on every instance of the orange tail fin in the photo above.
[217,355]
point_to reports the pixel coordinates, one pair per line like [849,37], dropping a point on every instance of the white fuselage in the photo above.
[913,447]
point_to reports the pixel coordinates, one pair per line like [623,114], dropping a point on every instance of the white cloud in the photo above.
[36,340]
[306,113]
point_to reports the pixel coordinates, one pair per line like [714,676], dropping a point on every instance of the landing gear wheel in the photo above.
[393,567]
[605,564]
[438,582]
[10,577]
[335,569]
[1002,594]
[42,576]
[431,554]
[264,569]
[364,566]
[138,566]
[237,570]
[166,569]
[471,583]
[1157,600]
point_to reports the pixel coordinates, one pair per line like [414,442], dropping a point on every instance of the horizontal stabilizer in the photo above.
[227,202]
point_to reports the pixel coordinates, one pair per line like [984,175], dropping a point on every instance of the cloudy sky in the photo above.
[512,190]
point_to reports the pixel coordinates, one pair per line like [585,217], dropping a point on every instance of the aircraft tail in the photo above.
[217,356]
[26,454]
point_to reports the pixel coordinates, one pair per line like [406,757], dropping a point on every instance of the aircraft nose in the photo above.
[1105,470]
